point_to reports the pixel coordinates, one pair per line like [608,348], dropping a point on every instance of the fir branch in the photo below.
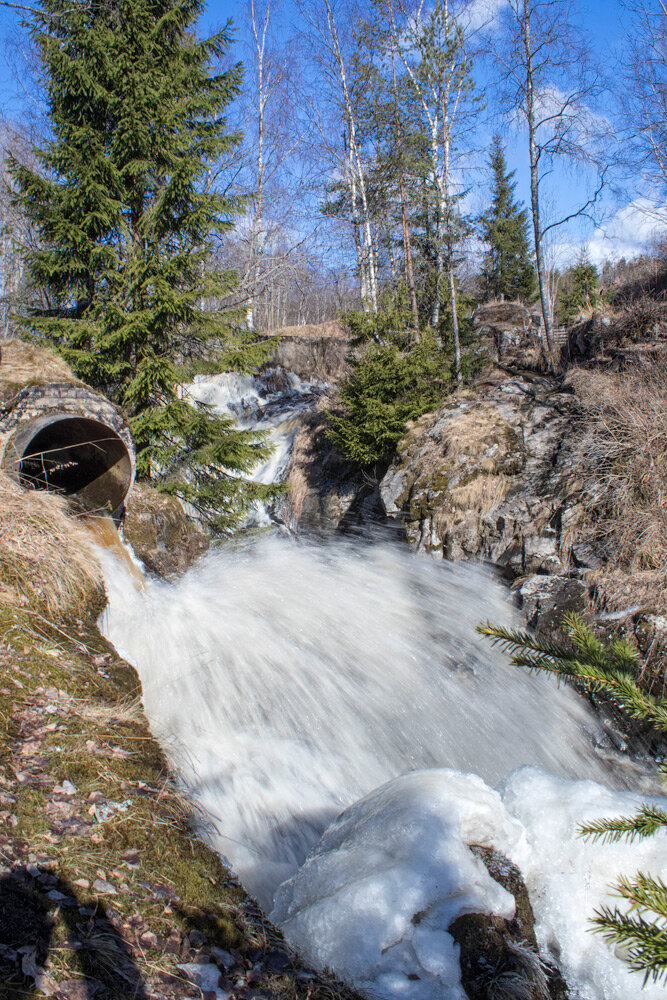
[645,823]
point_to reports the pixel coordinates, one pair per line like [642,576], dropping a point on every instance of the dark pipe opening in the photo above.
[78,457]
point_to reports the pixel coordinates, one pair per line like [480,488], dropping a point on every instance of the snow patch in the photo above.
[568,878]
[375,898]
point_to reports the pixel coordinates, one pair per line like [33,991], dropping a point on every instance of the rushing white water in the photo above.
[288,679]
[273,403]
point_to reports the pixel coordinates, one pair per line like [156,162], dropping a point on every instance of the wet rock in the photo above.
[545,599]
[500,957]
[325,490]
[160,533]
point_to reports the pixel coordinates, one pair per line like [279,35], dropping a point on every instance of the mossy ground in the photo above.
[105,887]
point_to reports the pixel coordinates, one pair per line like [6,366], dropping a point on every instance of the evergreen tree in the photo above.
[508,271]
[640,928]
[581,288]
[384,391]
[128,226]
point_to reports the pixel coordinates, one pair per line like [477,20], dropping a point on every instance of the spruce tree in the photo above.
[581,288]
[507,271]
[128,228]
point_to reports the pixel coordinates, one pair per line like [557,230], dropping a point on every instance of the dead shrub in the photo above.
[47,563]
[622,458]
[640,318]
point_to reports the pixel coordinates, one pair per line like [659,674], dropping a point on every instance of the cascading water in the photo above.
[274,403]
[288,679]
[291,678]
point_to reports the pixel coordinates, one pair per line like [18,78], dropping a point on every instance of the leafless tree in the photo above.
[548,81]
[327,35]
[643,100]
[433,48]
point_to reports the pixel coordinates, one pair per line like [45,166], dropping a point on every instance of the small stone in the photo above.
[203,975]
[104,888]
[83,883]
[67,788]
[148,940]
[223,957]
[96,797]
[131,856]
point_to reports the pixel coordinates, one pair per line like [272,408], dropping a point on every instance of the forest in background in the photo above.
[365,160]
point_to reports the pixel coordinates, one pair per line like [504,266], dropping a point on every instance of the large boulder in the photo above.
[516,332]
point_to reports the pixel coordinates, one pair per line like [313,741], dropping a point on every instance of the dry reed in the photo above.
[46,557]
[622,454]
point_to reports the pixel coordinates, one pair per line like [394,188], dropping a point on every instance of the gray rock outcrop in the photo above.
[492,476]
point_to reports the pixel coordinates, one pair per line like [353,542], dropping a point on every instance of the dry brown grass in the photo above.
[622,455]
[47,563]
[481,495]
[128,711]
[27,364]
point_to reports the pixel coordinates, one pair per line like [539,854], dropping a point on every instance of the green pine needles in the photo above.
[385,390]
[128,225]
[508,270]
[640,928]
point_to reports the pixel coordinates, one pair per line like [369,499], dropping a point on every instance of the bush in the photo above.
[386,389]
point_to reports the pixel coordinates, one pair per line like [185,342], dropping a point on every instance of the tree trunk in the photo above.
[542,276]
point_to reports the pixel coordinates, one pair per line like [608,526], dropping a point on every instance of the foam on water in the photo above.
[290,678]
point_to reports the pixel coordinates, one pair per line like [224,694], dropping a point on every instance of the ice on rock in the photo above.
[375,897]
[568,878]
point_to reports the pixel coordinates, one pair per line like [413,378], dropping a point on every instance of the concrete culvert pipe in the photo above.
[65,438]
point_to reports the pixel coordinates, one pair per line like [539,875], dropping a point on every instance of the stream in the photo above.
[289,678]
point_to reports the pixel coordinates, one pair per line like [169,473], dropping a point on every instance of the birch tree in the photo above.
[548,82]
[643,77]
[326,32]
[434,53]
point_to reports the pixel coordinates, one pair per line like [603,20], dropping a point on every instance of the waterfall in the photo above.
[289,678]
[274,403]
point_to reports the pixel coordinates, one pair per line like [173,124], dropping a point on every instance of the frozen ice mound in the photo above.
[374,899]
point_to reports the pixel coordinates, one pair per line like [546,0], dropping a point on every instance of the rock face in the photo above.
[491,476]
[515,331]
[326,491]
